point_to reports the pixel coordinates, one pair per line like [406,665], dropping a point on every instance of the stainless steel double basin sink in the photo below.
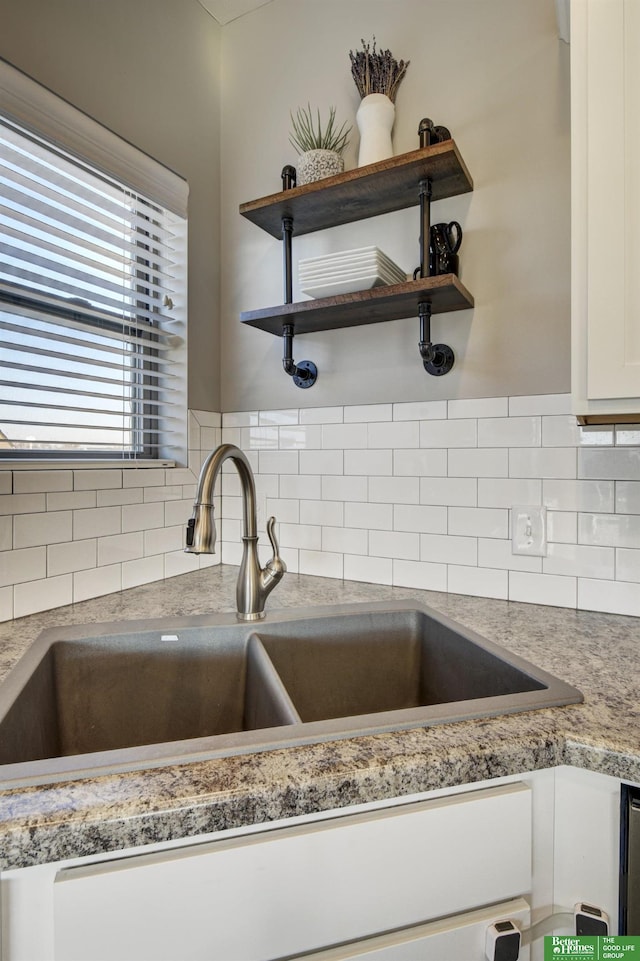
[99,698]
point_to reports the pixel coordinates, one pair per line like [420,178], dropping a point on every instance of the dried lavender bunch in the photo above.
[376,71]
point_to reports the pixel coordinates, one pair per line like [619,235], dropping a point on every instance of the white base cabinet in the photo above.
[416,878]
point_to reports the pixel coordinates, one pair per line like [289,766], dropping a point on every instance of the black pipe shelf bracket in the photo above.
[305,373]
[437,359]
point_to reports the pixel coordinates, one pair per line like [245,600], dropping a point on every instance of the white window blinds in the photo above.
[92,298]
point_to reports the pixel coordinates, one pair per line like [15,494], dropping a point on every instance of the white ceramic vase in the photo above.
[318,164]
[375,117]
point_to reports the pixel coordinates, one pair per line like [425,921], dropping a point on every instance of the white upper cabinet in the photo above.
[605,202]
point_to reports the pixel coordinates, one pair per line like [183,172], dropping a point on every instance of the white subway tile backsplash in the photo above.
[618,463]
[450,491]
[6,533]
[329,513]
[449,550]
[420,463]
[627,497]
[42,481]
[321,462]
[420,410]
[141,517]
[557,462]
[399,433]
[560,431]
[23,565]
[478,581]
[142,571]
[421,575]
[278,462]
[42,595]
[373,570]
[93,480]
[628,564]
[321,563]
[555,590]
[369,516]
[98,522]
[499,492]
[96,582]
[341,436]
[6,603]
[394,490]
[433,516]
[562,527]
[618,596]
[22,503]
[71,500]
[344,488]
[509,432]
[479,521]
[345,540]
[423,519]
[33,530]
[287,510]
[493,552]
[259,438]
[579,560]
[609,530]
[479,407]
[540,404]
[144,477]
[116,497]
[120,548]
[302,437]
[301,536]
[322,415]
[74,556]
[302,486]
[481,462]
[368,462]
[368,413]
[449,433]
[578,495]
[394,544]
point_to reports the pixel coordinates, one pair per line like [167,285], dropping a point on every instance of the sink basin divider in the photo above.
[267,701]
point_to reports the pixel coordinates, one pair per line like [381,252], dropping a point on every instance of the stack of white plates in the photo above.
[347,271]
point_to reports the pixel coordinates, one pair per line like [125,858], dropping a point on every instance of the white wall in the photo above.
[495,73]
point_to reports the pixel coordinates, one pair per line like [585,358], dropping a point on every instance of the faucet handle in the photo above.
[276,565]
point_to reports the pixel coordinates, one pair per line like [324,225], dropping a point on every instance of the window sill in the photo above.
[93,464]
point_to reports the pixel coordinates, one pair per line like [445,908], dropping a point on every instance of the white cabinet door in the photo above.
[605,170]
[461,938]
[291,890]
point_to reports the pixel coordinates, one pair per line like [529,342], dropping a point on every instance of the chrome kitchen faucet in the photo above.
[254,583]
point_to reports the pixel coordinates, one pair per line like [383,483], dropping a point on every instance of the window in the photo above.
[92,297]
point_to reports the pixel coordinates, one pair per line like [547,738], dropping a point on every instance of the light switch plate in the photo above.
[529,530]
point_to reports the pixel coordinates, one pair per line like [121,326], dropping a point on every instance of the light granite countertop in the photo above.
[597,653]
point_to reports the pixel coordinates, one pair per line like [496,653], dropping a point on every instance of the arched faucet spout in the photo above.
[254,583]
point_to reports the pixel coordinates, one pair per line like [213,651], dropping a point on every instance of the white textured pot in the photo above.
[375,117]
[318,164]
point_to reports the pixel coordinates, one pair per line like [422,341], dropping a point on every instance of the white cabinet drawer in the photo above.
[290,890]
[461,938]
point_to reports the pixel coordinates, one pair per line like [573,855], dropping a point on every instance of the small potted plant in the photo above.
[320,146]
[377,75]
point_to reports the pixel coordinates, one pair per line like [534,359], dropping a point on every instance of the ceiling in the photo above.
[225,10]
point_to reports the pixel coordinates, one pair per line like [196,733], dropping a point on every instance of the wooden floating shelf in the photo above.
[368,191]
[376,305]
